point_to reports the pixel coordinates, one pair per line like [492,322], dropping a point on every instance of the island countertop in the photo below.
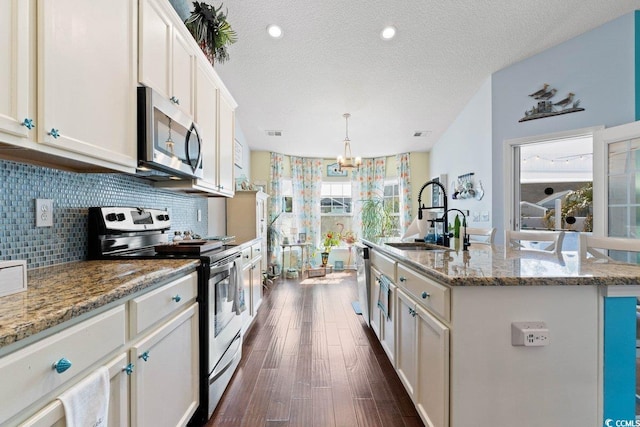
[491,265]
[62,292]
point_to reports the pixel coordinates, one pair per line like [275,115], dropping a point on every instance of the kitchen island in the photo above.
[447,323]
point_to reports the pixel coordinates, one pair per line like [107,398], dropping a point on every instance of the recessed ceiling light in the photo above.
[274,31]
[388,32]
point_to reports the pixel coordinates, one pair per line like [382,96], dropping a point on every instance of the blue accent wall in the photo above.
[599,67]
[72,194]
[619,358]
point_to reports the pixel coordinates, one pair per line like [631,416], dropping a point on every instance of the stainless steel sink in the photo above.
[417,246]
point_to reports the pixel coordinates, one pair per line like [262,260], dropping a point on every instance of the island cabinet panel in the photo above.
[487,371]
[429,294]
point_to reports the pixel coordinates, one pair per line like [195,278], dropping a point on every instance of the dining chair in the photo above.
[599,247]
[541,241]
[481,235]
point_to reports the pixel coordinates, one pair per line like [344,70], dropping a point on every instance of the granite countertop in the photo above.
[491,265]
[62,292]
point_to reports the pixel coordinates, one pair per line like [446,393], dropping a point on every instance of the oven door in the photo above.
[226,302]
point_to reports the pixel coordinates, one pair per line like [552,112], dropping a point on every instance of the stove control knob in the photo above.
[111,217]
[163,217]
[120,217]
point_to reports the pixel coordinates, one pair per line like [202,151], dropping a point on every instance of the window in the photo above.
[336,207]
[391,199]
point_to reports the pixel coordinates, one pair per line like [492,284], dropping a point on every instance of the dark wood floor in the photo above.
[309,360]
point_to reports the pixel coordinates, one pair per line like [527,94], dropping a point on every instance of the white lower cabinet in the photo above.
[154,372]
[52,415]
[164,383]
[251,283]
[422,360]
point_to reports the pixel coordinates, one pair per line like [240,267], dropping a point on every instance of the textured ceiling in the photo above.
[332,60]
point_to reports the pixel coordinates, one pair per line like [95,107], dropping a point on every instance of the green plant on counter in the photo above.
[376,218]
[212,31]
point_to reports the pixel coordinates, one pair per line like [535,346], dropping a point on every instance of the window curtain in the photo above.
[306,179]
[366,183]
[404,190]
[275,210]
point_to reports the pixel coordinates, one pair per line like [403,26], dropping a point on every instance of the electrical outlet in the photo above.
[529,334]
[199,215]
[44,213]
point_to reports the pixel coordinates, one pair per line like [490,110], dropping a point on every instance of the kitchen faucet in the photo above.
[421,206]
[465,236]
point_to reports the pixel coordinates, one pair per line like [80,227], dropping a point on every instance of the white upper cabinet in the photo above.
[226,142]
[167,56]
[15,120]
[206,115]
[86,78]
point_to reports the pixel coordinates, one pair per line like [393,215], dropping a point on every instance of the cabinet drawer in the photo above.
[28,374]
[428,293]
[256,250]
[384,264]
[246,255]
[153,306]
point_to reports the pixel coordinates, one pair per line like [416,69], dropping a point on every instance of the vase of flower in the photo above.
[324,256]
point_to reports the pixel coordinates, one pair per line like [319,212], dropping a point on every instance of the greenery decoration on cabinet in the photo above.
[212,31]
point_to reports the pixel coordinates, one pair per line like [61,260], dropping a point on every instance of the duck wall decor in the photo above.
[547,108]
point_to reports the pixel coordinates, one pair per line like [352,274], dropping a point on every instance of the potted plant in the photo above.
[212,31]
[330,239]
[376,218]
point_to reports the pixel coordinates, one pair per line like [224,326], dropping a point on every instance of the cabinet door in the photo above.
[164,388]
[376,313]
[155,46]
[226,144]
[53,414]
[407,354]
[433,370]
[206,115]
[86,79]
[388,326]
[183,64]
[15,29]
[256,286]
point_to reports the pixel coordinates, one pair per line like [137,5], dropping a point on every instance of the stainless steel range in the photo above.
[129,232]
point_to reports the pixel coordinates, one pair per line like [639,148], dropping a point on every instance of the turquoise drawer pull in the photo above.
[425,295]
[174,100]
[62,365]
[177,298]
[128,369]
[144,356]
[54,132]
[28,123]
[403,279]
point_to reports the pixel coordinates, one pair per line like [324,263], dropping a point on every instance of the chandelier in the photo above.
[347,161]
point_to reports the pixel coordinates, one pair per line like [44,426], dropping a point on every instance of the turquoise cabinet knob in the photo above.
[62,365]
[144,356]
[28,123]
[425,295]
[54,132]
[403,279]
[177,298]
[174,100]
[128,369]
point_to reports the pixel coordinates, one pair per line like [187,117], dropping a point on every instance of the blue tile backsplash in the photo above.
[72,193]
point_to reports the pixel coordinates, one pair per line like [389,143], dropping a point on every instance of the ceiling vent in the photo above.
[274,133]
[420,133]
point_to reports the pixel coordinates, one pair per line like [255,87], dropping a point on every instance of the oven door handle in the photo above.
[225,266]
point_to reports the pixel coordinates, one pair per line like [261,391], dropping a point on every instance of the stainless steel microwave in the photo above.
[168,139]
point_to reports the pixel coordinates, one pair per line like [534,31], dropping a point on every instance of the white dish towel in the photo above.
[87,403]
